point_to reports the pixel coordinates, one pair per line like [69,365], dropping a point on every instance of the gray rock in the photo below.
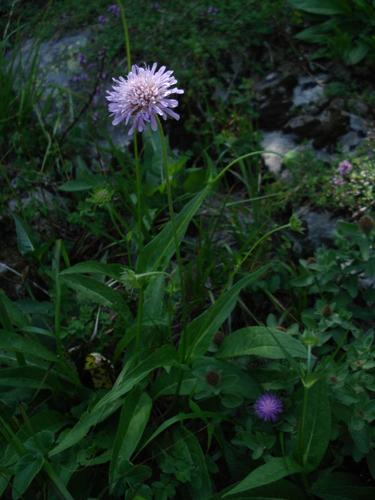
[57,59]
[333,124]
[274,95]
[358,124]
[359,106]
[350,141]
[38,195]
[276,83]
[277,142]
[321,226]
[303,125]
[309,90]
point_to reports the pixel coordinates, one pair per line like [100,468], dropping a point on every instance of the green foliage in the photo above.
[183,286]
[345,29]
[316,182]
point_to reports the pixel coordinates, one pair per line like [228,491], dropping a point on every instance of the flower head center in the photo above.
[144,94]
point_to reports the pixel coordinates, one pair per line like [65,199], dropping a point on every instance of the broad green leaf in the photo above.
[261,341]
[158,252]
[276,468]
[197,336]
[356,54]
[282,489]
[110,402]
[323,7]
[341,486]
[97,292]
[27,468]
[154,307]
[201,484]
[133,420]
[314,426]
[94,267]
[25,240]
[317,33]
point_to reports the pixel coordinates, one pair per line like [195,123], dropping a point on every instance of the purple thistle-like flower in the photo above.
[344,167]
[144,94]
[268,407]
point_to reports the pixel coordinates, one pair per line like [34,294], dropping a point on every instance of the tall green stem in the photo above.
[239,159]
[138,176]
[138,171]
[173,222]
[138,333]
[56,266]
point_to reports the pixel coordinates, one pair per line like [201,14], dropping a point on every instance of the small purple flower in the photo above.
[144,94]
[79,78]
[212,11]
[344,167]
[102,19]
[114,10]
[81,58]
[338,180]
[268,407]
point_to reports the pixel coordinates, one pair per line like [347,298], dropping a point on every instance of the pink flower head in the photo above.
[142,96]
[344,167]
[268,407]
[338,180]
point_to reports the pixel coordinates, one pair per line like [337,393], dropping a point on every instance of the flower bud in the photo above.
[367,224]
[212,378]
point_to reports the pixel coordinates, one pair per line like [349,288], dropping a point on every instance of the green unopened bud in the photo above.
[310,339]
[101,196]
[327,311]
[366,223]
[212,378]
[218,338]
[295,224]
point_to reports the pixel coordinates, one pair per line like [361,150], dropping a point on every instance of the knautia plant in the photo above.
[149,356]
[142,96]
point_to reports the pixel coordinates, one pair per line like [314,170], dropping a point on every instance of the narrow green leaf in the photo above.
[76,186]
[158,252]
[10,313]
[276,468]
[25,241]
[323,7]
[133,420]
[314,426]
[97,292]
[94,267]
[27,468]
[10,341]
[198,334]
